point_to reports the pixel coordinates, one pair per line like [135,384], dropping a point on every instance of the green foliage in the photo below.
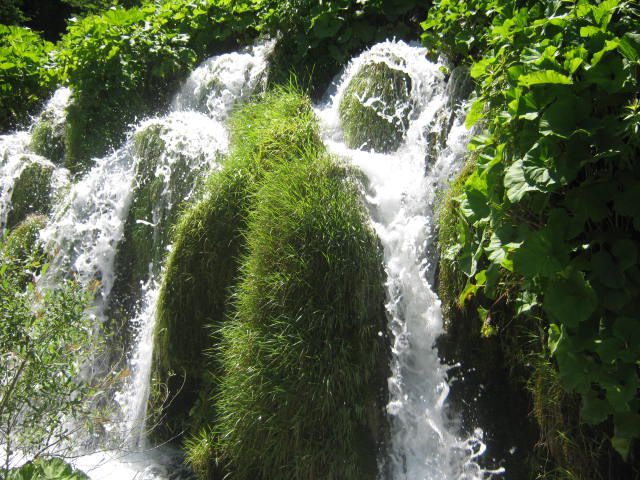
[127,63]
[375,109]
[202,268]
[27,76]
[31,192]
[303,361]
[318,38]
[119,64]
[46,469]
[44,338]
[459,29]
[551,208]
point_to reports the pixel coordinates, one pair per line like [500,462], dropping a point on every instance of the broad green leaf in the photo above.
[594,410]
[626,252]
[562,117]
[475,112]
[516,183]
[606,270]
[569,299]
[544,77]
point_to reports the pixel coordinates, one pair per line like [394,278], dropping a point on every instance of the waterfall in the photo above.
[137,190]
[402,189]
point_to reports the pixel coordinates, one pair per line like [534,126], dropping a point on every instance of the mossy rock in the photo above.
[202,268]
[31,192]
[47,140]
[197,282]
[376,107]
[157,201]
[305,366]
[21,247]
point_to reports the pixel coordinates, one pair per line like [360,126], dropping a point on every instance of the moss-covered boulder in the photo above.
[20,248]
[165,178]
[31,192]
[376,107]
[305,363]
[47,135]
[47,140]
[202,268]
[197,282]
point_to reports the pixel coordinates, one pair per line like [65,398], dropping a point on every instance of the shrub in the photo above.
[49,469]
[304,365]
[27,76]
[376,106]
[126,63]
[19,248]
[548,209]
[44,339]
[119,65]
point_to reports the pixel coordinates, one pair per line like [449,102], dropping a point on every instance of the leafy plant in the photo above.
[27,75]
[44,339]
[548,219]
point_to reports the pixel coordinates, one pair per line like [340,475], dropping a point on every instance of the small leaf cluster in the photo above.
[550,216]
[44,339]
[49,469]
[27,76]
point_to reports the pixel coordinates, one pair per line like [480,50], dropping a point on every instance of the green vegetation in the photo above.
[46,469]
[44,339]
[303,362]
[546,223]
[31,192]
[18,248]
[275,262]
[376,107]
[203,265]
[47,138]
[26,75]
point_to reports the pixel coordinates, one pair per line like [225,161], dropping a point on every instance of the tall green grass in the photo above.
[202,268]
[304,363]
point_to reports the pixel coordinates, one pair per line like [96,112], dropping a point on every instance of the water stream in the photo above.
[94,216]
[402,190]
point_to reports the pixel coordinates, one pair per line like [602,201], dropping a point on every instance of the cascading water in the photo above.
[96,216]
[401,192]
[142,185]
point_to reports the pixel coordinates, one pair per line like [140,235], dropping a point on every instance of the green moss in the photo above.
[47,139]
[202,268]
[21,248]
[304,362]
[375,109]
[31,193]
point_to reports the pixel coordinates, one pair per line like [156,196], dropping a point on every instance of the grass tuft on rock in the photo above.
[202,267]
[304,363]
[375,109]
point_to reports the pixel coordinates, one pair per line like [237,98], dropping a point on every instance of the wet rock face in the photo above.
[31,192]
[376,108]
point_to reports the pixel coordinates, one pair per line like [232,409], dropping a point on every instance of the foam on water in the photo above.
[400,196]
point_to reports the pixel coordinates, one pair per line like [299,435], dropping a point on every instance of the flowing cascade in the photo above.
[401,191]
[110,230]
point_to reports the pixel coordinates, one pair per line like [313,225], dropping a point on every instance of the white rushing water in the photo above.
[401,194]
[90,220]
[88,223]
